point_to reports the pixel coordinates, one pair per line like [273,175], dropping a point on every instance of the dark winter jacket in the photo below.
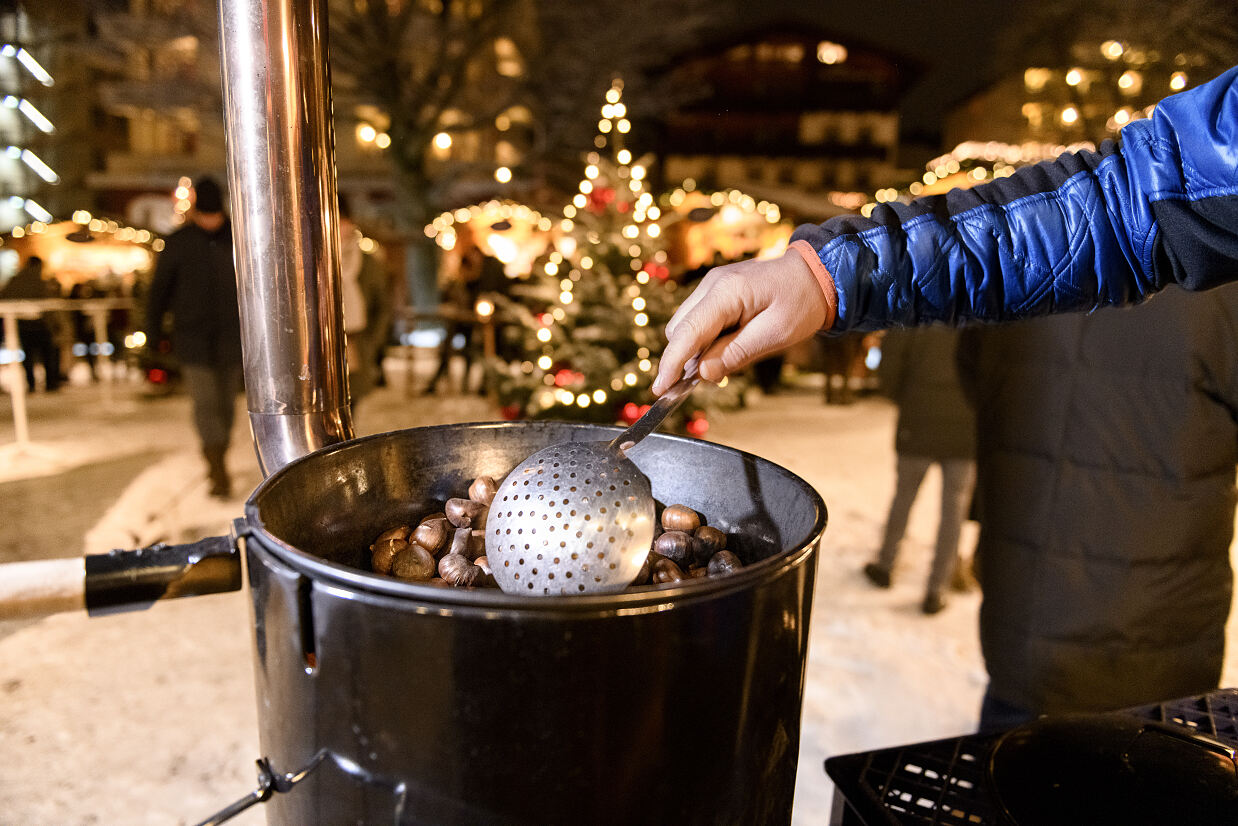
[1087,230]
[1106,458]
[918,373]
[196,281]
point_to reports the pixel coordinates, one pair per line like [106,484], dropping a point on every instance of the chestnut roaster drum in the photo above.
[407,703]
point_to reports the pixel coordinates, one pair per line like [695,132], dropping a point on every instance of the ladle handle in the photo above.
[660,409]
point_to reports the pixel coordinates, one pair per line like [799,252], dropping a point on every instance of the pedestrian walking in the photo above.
[195,282]
[936,426]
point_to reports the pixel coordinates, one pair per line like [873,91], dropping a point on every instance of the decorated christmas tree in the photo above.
[583,332]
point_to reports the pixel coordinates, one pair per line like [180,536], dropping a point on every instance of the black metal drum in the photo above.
[412,704]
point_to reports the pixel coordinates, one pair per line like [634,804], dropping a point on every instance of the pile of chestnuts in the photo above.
[448,548]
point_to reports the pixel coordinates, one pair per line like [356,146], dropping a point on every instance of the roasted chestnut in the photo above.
[398,532]
[465,513]
[483,490]
[680,518]
[664,570]
[383,553]
[414,564]
[724,563]
[675,546]
[457,570]
[432,534]
[708,542]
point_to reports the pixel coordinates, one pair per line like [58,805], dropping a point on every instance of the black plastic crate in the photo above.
[944,782]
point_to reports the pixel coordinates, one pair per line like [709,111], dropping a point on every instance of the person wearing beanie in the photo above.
[195,284]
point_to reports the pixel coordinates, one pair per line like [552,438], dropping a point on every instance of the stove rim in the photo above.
[356,580]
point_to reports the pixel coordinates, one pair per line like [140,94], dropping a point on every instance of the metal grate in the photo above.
[945,782]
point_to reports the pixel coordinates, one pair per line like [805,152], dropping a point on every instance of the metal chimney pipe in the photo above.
[281,175]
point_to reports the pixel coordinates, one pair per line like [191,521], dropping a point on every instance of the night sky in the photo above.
[952,39]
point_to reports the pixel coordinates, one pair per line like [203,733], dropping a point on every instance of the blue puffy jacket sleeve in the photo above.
[1086,230]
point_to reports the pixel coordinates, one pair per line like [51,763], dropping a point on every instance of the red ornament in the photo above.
[697,425]
[630,413]
[566,377]
[510,412]
[545,319]
[623,206]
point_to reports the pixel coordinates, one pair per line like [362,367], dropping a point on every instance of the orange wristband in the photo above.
[824,280]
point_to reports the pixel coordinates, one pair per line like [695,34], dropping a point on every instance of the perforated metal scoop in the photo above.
[577,517]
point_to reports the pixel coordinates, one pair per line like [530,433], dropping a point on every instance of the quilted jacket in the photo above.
[1086,230]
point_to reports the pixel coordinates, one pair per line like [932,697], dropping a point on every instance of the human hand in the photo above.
[740,313]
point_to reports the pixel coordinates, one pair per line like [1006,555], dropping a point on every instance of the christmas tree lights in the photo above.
[588,320]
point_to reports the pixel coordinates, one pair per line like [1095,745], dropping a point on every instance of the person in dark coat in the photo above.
[1106,461]
[35,333]
[195,281]
[935,426]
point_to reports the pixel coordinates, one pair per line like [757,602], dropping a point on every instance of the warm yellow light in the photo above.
[551,268]
[831,53]
[630,231]
[725,381]
[442,141]
[383,140]
[157,245]
[645,365]
[642,353]
[591,171]
[366,133]
[565,284]
[623,156]
[1036,79]
[640,320]
[1128,80]
[1069,115]
[1177,81]
[618,111]
[1121,117]
[638,303]
[603,126]
[586,186]
[638,172]
[642,277]
[181,193]
[484,309]
[616,384]
[502,174]
[599,396]
[653,230]
[565,297]
[586,262]
[612,96]
[564,396]
[1074,77]
[18,232]
[623,125]
[558,314]
[582,400]
[1112,49]
[544,362]
[579,201]
[629,379]
[608,111]
[543,334]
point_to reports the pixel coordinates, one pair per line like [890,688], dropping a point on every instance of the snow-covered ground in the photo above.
[150,717]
